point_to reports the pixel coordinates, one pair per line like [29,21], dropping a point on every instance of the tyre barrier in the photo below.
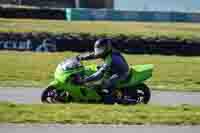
[46,42]
[34,13]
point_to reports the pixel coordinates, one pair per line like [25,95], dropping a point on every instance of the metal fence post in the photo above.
[68,12]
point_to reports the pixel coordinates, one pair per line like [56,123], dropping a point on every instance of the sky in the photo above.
[161,5]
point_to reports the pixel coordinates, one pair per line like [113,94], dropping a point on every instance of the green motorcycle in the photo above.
[65,87]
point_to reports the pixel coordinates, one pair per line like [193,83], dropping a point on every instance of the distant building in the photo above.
[147,5]
[152,5]
[158,5]
[94,3]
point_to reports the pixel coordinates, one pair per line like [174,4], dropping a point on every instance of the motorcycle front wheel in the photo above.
[51,96]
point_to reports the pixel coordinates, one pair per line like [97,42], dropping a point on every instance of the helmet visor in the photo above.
[99,51]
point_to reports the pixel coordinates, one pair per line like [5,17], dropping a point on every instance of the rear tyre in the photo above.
[143,93]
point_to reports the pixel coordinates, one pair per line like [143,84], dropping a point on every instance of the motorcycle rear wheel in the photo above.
[141,93]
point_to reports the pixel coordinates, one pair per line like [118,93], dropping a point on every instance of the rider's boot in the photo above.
[107,97]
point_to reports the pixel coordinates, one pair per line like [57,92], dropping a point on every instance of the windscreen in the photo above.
[69,64]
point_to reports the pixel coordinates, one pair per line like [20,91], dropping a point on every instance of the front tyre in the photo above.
[49,95]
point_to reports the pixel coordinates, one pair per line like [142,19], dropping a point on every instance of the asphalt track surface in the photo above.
[27,128]
[32,96]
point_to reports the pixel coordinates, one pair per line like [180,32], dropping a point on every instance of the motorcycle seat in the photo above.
[129,77]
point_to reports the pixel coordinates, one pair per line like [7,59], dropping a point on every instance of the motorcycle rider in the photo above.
[115,67]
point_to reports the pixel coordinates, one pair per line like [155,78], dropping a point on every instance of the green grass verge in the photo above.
[174,30]
[99,114]
[37,69]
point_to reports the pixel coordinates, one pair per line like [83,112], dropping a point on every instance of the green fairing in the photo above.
[62,81]
[139,73]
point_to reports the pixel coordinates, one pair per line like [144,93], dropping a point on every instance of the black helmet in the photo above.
[102,47]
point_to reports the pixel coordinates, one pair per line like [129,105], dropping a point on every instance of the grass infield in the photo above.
[99,114]
[145,29]
[30,69]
